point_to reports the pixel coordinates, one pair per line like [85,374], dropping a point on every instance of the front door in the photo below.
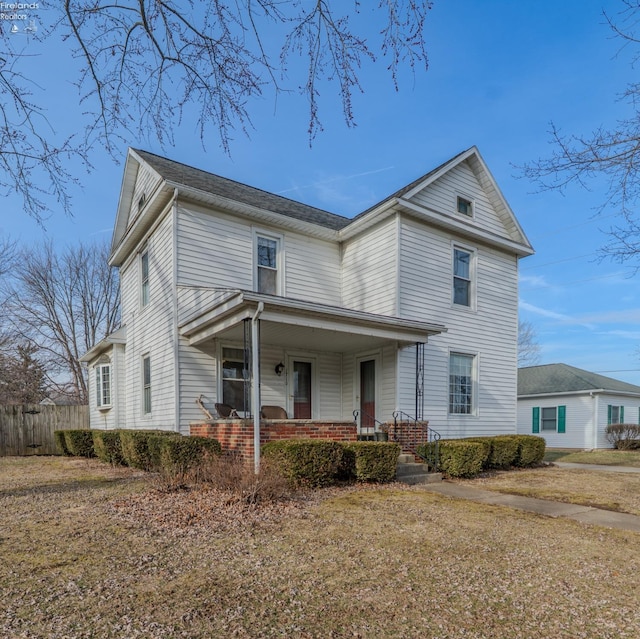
[367,395]
[301,390]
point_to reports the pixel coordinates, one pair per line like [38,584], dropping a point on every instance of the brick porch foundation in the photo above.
[237,434]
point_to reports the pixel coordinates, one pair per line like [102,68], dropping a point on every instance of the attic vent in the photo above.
[142,201]
[465,206]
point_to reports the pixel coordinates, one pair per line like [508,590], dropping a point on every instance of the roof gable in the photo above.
[550,379]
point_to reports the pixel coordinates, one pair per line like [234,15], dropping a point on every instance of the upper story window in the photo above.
[144,277]
[465,206]
[103,385]
[267,260]
[462,276]
[461,383]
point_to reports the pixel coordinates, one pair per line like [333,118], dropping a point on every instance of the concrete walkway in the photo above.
[584,514]
[608,469]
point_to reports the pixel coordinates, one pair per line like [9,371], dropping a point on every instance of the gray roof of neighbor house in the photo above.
[562,378]
[210,183]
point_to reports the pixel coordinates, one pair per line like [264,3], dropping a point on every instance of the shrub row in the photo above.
[146,450]
[468,457]
[314,463]
[623,436]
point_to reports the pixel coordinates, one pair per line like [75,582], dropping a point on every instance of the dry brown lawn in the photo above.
[94,552]
[610,491]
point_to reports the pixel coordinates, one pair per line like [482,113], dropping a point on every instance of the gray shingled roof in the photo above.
[562,378]
[210,183]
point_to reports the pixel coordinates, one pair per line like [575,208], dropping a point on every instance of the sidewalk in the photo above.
[584,514]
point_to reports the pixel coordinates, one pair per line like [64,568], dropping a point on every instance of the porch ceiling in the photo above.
[303,325]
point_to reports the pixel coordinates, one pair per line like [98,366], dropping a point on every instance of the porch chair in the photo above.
[226,412]
[273,412]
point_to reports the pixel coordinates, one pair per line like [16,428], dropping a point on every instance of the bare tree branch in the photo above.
[149,64]
[528,347]
[63,304]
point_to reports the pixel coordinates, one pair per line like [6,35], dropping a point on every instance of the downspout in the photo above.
[596,411]
[255,367]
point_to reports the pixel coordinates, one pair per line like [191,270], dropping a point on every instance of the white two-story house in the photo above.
[235,296]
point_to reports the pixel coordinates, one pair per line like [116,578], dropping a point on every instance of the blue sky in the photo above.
[500,71]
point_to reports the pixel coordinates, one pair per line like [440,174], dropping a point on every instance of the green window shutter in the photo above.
[622,414]
[562,419]
[609,414]
[536,420]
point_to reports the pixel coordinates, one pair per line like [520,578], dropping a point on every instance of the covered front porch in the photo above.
[320,365]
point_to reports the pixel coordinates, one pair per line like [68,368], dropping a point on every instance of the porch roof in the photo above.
[302,324]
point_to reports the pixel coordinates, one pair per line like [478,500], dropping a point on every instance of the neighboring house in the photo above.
[571,407]
[410,306]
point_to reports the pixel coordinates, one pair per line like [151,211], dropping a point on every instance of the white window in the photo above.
[267,258]
[461,383]
[235,377]
[146,384]
[103,385]
[549,419]
[144,277]
[462,276]
[464,206]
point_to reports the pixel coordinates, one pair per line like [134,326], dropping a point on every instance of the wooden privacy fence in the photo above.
[27,429]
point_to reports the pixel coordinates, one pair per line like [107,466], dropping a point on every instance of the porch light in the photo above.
[279,368]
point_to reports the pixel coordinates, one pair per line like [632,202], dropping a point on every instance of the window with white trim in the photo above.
[103,385]
[464,206]
[235,377]
[146,385]
[549,419]
[144,277]
[462,276]
[267,255]
[461,383]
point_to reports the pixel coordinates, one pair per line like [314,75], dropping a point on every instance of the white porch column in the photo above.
[255,386]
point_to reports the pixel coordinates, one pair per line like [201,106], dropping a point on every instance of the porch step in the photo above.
[410,472]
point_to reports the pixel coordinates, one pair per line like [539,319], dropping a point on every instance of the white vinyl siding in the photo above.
[442,196]
[369,270]
[146,183]
[216,251]
[490,331]
[150,331]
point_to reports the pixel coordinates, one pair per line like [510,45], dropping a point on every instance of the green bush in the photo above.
[141,449]
[530,450]
[79,442]
[461,457]
[61,442]
[306,462]
[178,455]
[108,447]
[503,450]
[371,461]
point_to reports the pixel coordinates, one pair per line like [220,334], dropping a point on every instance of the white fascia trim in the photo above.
[439,219]
[119,336]
[594,391]
[255,213]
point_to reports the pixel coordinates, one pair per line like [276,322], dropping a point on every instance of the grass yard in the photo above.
[89,551]
[608,457]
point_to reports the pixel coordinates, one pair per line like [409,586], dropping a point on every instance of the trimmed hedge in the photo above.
[530,450]
[371,461]
[79,442]
[108,446]
[179,454]
[306,462]
[61,442]
[463,458]
[503,450]
[141,448]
